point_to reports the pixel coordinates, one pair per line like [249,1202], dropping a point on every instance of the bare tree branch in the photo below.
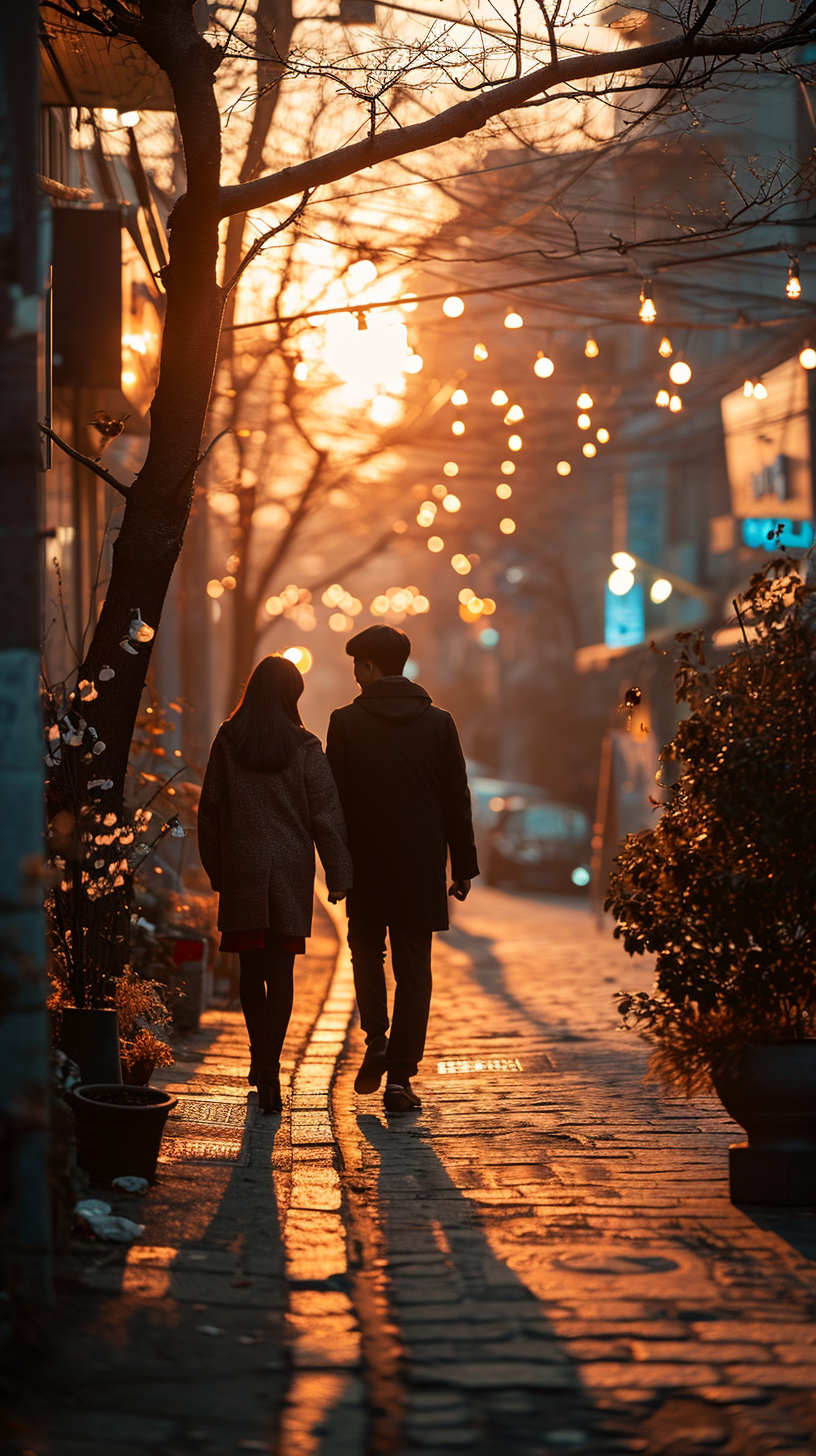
[86,460]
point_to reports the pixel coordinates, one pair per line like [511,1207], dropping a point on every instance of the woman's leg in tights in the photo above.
[267,993]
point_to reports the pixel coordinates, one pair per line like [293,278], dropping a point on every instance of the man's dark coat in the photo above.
[400,772]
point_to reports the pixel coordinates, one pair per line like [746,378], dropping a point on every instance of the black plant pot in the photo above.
[119,1129]
[771,1092]
[91,1039]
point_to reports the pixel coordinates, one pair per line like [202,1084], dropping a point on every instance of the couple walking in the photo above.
[384,806]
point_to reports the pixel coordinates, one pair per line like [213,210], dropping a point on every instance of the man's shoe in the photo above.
[372,1067]
[399,1099]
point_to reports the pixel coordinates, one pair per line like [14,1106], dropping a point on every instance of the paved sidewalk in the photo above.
[544,1259]
[561,1268]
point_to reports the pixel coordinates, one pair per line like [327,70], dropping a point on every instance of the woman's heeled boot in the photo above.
[255,1073]
[269,1091]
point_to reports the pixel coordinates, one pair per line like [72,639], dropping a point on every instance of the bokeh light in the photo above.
[300,656]
[453,307]
[435,544]
[507,526]
[461,564]
[563,467]
[543,366]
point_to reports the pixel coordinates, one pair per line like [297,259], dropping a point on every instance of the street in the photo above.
[544,1259]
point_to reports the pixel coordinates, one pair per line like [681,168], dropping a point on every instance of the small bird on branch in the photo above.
[107,425]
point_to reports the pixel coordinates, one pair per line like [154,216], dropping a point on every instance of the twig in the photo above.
[260,243]
[739,619]
[202,457]
[86,461]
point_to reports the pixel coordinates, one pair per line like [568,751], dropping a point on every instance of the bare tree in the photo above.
[701,44]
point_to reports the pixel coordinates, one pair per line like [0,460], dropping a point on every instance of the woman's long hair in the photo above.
[266,726]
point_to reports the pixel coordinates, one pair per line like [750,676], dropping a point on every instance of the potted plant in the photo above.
[143,1015]
[723,890]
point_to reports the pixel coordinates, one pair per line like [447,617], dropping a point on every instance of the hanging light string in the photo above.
[516,283]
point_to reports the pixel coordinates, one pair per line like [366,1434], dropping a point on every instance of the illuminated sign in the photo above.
[767,445]
[761,534]
[624,617]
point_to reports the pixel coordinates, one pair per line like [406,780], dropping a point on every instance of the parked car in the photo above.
[491,798]
[540,846]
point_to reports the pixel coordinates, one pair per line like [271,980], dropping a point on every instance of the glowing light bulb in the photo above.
[461,564]
[623,561]
[508,467]
[591,349]
[129,118]
[451,503]
[479,353]
[662,398]
[748,388]
[507,526]
[513,321]
[466,595]
[514,443]
[488,606]
[214,589]
[499,397]
[459,397]
[413,364]
[514,414]
[584,401]
[440,491]
[584,422]
[760,392]
[620,582]
[453,307]
[504,491]
[543,366]
[563,467]
[435,544]
[660,590]
[589,450]
[301,371]
[474,606]
[602,435]
[647,312]
[664,348]
[793,287]
[458,427]
[807,358]
[675,404]
[680,372]
[406,306]
[450,468]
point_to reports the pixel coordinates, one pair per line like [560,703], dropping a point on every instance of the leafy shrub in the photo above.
[723,889]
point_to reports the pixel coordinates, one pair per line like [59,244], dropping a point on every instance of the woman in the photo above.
[267,799]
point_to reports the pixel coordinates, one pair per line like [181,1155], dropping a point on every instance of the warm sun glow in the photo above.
[371,360]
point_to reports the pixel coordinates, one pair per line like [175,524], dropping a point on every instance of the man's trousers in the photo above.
[411,960]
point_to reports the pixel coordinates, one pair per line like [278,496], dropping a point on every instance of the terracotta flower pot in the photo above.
[139,1074]
[119,1129]
[771,1092]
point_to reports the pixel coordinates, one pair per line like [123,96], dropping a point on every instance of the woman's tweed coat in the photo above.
[256,836]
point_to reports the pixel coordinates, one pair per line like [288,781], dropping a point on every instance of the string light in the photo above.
[440,491]
[584,401]
[514,414]
[620,582]
[450,468]
[602,435]
[504,491]
[664,348]
[793,287]
[748,388]
[499,397]
[413,364]
[623,561]
[660,590]
[591,349]
[479,352]
[513,321]
[461,564]
[459,397]
[507,526]
[362,321]
[680,372]
[760,392]
[514,443]
[301,371]
[406,306]
[543,366]
[508,467]
[807,358]
[458,427]
[426,514]
[662,398]
[451,503]
[466,595]
[453,307]
[584,422]
[214,589]
[274,605]
[435,544]
[675,404]
[647,312]
[563,467]
[590,450]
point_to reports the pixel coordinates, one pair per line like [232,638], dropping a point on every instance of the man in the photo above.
[401,775]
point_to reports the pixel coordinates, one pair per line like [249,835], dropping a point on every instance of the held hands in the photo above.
[460,889]
[335,895]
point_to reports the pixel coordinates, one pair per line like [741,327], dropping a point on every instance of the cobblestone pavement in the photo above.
[544,1259]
